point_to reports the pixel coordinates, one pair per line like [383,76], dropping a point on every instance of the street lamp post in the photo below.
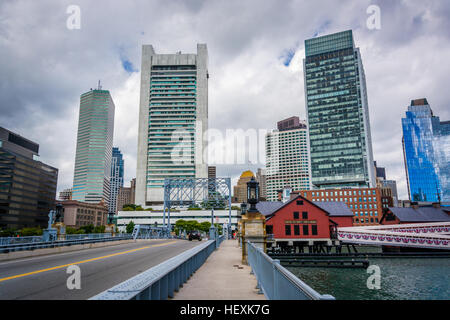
[252,194]
[253,223]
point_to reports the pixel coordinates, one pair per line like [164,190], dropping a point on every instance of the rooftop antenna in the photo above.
[99,85]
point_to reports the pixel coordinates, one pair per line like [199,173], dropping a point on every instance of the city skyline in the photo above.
[392,57]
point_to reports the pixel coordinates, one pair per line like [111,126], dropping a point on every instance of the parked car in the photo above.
[195,235]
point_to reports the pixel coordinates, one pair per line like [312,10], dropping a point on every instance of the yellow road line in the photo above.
[84,261]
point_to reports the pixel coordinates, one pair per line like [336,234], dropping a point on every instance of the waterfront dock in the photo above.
[222,277]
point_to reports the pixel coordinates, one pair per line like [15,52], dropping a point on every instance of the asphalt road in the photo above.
[45,277]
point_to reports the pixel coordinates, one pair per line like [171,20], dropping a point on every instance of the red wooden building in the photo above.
[302,219]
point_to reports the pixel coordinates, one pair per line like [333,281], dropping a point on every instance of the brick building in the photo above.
[365,203]
[78,214]
[123,198]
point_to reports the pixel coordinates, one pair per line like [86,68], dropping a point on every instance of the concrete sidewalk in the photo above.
[222,277]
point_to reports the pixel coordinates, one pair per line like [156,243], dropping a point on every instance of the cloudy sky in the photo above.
[255,49]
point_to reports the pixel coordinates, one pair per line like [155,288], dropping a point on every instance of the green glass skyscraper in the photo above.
[92,173]
[337,113]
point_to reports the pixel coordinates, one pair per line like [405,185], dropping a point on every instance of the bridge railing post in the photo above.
[276,274]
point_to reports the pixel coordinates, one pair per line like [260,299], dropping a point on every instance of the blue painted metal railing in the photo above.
[88,236]
[219,240]
[17,240]
[275,281]
[34,239]
[59,243]
[160,282]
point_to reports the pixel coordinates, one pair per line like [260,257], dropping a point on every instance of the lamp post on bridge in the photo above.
[253,223]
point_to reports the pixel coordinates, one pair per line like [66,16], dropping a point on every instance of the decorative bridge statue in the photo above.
[54,217]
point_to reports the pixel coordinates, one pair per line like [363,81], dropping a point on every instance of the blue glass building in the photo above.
[116,183]
[426,149]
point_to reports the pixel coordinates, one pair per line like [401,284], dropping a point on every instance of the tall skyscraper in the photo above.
[27,186]
[212,170]
[240,189]
[116,183]
[92,173]
[426,150]
[133,191]
[173,116]
[337,113]
[261,178]
[287,161]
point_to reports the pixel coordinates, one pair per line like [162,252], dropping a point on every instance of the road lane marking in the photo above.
[84,261]
[61,254]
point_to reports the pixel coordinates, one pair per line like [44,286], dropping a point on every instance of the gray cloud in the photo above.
[45,67]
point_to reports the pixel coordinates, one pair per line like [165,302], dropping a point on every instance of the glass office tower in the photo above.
[27,186]
[426,149]
[92,173]
[173,116]
[116,183]
[337,113]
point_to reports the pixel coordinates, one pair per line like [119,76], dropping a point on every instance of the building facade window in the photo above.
[305,230]
[287,229]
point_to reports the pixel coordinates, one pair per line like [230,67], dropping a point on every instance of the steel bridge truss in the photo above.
[148,232]
[211,193]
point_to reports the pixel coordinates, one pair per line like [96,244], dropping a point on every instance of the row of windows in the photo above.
[297,215]
[372,220]
[305,230]
[340,193]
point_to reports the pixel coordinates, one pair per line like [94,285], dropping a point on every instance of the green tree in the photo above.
[99,229]
[133,207]
[130,227]
[204,226]
[70,230]
[88,229]
[9,232]
[194,206]
[28,232]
